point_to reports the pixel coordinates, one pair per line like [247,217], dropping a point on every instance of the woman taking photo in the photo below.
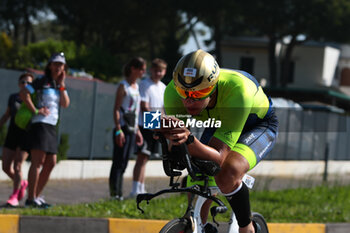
[50,94]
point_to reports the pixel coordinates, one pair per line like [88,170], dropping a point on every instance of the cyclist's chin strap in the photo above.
[239,202]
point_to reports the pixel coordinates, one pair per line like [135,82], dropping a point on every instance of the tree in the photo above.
[298,20]
[17,18]
[216,15]
[124,28]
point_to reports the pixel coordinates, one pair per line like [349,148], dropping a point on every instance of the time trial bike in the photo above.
[200,186]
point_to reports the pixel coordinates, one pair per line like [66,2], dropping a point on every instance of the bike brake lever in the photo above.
[215,210]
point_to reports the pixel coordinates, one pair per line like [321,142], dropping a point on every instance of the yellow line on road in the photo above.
[296,228]
[120,225]
[9,223]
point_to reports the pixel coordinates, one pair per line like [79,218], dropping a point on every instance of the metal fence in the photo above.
[88,122]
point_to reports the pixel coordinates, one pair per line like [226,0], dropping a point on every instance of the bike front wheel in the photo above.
[258,218]
[178,225]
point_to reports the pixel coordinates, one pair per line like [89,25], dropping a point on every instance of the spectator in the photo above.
[126,131]
[15,150]
[152,92]
[50,94]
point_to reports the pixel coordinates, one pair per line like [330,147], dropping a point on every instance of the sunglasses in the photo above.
[24,82]
[196,95]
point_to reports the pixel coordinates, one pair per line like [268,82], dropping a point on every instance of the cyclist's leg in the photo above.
[250,149]
[205,138]
[230,183]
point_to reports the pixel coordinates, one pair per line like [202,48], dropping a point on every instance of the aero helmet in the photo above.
[196,71]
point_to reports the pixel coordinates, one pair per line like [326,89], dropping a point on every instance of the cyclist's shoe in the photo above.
[256,226]
[43,203]
[209,228]
[12,201]
[22,190]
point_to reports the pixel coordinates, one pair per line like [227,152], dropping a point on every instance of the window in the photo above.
[247,64]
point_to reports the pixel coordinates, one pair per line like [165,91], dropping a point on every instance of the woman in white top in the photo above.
[126,132]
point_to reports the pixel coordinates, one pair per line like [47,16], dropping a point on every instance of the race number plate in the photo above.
[249,180]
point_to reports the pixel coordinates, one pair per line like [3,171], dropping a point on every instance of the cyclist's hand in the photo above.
[178,136]
[173,129]
[170,122]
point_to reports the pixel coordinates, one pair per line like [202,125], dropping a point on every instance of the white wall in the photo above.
[231,59]
[329,65]
[315,65]
[308,66]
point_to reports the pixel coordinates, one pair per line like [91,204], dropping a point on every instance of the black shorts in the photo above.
[150,145]
[43,137]
[16,138]
[254,143]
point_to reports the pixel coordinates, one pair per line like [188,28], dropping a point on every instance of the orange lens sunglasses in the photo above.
[197,95]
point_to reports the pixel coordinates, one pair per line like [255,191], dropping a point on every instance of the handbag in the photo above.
[130,120]
[23,116]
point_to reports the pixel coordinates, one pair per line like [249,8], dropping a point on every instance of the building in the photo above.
[320,72]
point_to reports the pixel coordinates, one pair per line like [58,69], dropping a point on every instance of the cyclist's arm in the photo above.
[216,150]
[117,104]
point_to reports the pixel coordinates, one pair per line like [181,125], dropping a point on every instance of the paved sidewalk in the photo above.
[80,191]
[92,190]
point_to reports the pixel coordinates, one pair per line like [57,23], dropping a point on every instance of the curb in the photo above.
[29,224]
[9,223]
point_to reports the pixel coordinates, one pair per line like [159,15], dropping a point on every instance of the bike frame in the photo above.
[199,192]
[233,224]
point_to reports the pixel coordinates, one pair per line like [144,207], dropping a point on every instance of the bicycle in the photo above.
[201,186]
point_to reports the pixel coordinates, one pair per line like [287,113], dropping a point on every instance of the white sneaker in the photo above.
[42,201]
[143,190]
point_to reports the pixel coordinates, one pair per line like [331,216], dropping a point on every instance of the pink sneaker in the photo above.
[22,190]
[13,201]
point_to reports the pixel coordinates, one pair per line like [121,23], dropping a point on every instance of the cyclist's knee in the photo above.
[227,184]
[232,171]
[229,179]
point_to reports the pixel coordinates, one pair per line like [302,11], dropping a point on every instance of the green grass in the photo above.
[320,204]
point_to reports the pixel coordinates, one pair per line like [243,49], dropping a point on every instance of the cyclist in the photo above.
[248,125]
